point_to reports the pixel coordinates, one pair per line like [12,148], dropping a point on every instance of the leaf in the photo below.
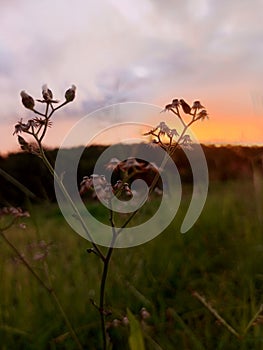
[18,184]
[136,341]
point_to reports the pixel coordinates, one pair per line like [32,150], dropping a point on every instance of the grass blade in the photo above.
[136,341]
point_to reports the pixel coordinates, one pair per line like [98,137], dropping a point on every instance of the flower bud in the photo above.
[46,93]
[126,193]
[145,313]
[25,146]
[27,100]
[185,106]
[22,141]
[125,321]
[70,94]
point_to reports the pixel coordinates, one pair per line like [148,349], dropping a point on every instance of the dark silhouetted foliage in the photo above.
[224,163]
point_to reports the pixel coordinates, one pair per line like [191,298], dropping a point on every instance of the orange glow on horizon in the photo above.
[244,127]
[241,126]
[228,129]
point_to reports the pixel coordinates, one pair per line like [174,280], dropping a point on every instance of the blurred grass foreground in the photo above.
[176,285]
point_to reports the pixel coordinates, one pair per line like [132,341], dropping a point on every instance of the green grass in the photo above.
[221,258]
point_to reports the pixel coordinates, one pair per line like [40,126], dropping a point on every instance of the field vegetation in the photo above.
[199,290]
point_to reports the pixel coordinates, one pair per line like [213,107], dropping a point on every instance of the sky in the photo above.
[148,51]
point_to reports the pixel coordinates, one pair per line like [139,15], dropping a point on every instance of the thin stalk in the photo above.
[39,113]
[102,296]
[174,147]
[115,233]
[170,151]
[254,318]
[49,290]
[178,115]
[104,278]
[66,194]
[27,265]
[188,331]
[66,319]
[47,116]
[46,124]
[216,314]
[18,184]
[155,179]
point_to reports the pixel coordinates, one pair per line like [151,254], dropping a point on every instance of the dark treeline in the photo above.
[24,175]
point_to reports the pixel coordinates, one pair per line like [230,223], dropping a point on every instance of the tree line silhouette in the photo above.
[23,175]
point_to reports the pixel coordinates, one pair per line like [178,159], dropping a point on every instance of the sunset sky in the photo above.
[148,51]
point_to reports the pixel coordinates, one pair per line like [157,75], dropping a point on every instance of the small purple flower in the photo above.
[175,103]
[197,105]
[186,139]
[173,132]
[164,129]
[202,115]
[22,127]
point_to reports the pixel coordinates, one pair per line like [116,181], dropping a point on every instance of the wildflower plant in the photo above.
[11,217]
[168,138]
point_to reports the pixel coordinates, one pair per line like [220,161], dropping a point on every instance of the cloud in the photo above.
[114,51]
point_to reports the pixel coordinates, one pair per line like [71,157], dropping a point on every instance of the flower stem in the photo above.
[102,296]
[66,194]
[104,278]
[66,319]
[254,318]
[216,314]
[26,264]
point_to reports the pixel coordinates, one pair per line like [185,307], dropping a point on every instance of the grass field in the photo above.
[220,259]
